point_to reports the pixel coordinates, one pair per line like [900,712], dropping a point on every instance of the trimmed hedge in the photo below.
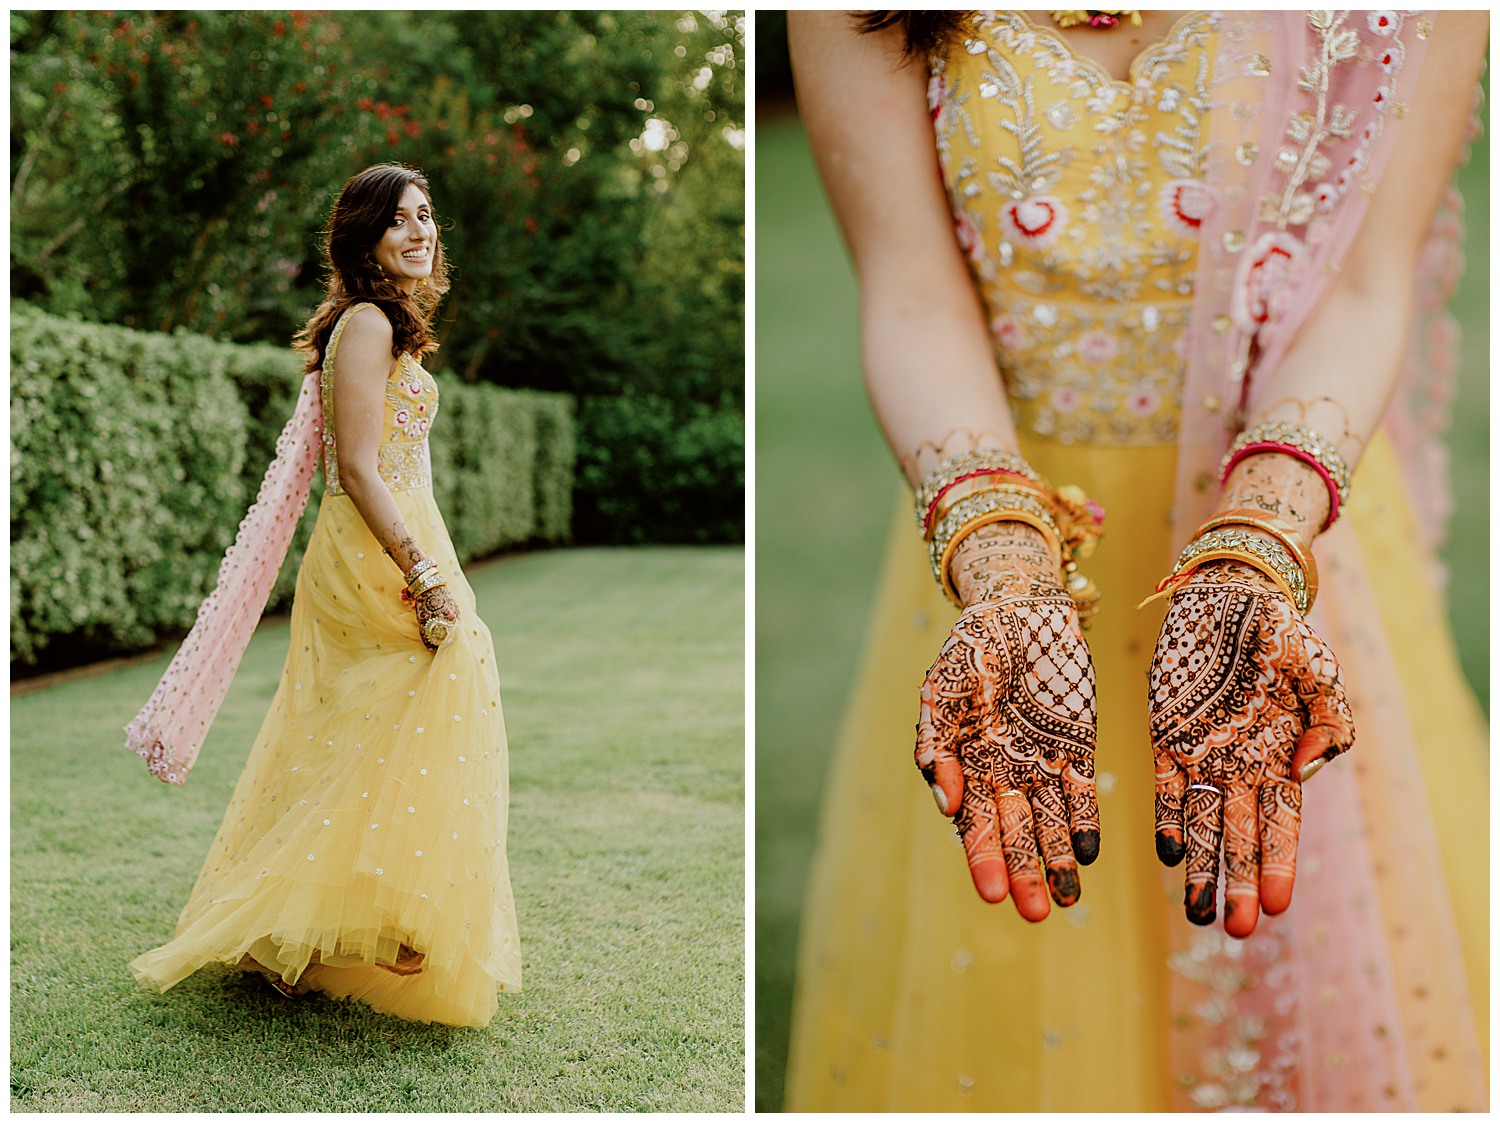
[655,470]
[134,455]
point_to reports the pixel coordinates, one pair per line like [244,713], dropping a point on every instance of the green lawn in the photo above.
[824,492]
[623,679]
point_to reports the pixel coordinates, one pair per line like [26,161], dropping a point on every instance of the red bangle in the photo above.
[938,498]
[1296,454]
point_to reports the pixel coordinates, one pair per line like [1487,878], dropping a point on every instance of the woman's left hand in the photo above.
[435,603]
[1246,703]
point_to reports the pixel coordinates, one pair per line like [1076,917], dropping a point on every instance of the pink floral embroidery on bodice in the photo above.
[411,405]
[1077,200]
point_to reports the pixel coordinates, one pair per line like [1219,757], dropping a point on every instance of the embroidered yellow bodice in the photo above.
[411,404]
[1077,200]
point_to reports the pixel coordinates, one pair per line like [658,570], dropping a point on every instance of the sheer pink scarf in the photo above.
[1316,1011]
[171,727]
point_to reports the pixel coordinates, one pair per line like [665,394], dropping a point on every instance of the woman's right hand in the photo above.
[434,603]
[1006,736]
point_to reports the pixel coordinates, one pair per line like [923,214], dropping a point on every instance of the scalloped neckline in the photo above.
[1141,57]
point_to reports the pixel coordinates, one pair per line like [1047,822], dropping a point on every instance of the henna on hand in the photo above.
[1284,486]
[1004,559]
[434,602]
[1246,702]
[929,454]
[1006,733]
[402,548]
[1279,485]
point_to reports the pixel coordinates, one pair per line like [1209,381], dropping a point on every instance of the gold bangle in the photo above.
[978,485]
[426,583]
[968,528]
[1282,532]
[1243,546]
[417,570]
[1308,441]
[1245,557]
[952,470]
[997,499]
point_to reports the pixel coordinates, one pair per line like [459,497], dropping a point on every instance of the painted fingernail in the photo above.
[1063,885]
[1169,850]
[1085,846]
[1310,768]
[940,799]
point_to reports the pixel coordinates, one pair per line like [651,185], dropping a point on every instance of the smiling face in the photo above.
[407,248]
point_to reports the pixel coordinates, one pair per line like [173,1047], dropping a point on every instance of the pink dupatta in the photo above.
[170,729]
[1354,998]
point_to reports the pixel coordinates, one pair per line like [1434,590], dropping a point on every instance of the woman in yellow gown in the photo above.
[1075,278]
[363,851]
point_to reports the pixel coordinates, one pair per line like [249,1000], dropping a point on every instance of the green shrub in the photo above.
[655,470]
[134,455]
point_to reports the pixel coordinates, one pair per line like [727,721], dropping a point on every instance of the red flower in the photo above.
[1103,20]
[1265,285]
[1036,220]
[228,138]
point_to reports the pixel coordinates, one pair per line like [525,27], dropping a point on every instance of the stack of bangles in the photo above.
[1258,538]
[422,578]
[964,493]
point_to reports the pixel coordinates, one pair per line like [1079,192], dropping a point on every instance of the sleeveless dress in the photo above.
[1076,199]
[371,813]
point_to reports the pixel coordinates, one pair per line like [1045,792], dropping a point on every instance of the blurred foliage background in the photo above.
[825,484]
[170,171]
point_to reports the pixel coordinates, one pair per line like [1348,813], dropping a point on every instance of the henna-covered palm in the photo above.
[1246,702]
[436,602]
[1006,734]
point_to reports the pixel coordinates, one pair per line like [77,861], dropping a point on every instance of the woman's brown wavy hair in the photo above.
[926,32]
[359,219]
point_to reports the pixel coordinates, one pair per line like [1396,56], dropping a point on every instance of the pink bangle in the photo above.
[1300,443]
[1296,454]
[938,498]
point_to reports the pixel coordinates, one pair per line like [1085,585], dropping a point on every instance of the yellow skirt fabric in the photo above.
[914,995]
[372,809]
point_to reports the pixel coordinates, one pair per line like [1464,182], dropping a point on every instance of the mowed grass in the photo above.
[825,488]
[623,681]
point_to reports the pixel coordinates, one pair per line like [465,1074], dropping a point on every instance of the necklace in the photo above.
[1102,20]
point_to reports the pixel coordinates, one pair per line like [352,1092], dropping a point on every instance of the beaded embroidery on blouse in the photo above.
[1077,200]
[411,396]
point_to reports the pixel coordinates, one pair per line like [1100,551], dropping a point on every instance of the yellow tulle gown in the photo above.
[371,814]
[912,994]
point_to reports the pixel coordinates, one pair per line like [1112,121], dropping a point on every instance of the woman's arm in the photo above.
[1338,375]
[929,360]
[364,365]
[1021,804]
[1234,773]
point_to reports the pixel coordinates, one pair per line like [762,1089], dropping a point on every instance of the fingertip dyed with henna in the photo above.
[1200,905]
[1169,850]
[1086,846]
[1064,886]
